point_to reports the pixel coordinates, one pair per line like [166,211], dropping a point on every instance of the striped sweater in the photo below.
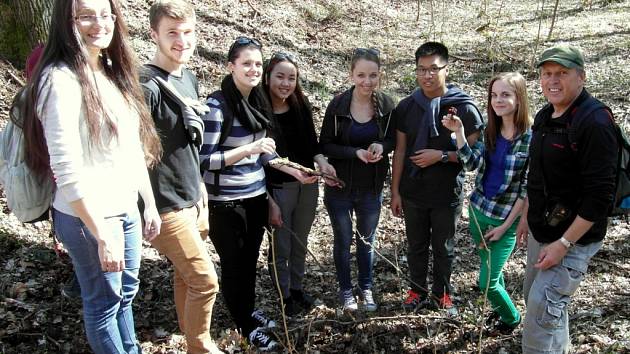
[245,178]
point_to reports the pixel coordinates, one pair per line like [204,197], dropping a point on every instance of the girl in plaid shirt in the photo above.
[499,194]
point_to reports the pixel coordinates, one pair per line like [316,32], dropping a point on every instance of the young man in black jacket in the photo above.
[427,177]
[573,156]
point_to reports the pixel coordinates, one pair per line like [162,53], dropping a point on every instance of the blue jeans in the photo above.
[107,296]
[367,208]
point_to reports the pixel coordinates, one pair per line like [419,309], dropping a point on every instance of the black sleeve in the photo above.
[327,137]
[473,122]
[151,97]
[597,157]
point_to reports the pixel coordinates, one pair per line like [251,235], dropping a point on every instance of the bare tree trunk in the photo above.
[24,24]
[553,19]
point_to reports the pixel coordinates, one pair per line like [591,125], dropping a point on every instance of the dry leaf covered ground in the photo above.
[484,37]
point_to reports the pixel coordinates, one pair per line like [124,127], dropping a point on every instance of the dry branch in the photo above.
[308,171]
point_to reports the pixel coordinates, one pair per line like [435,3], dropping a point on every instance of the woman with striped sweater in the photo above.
[234,151]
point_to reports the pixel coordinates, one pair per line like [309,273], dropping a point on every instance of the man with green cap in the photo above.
[573,156]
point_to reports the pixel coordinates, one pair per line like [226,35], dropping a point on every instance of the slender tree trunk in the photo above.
[553,19]
[24,24]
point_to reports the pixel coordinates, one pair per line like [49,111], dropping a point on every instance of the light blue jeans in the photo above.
[366,206]
[546,326]
[107,296]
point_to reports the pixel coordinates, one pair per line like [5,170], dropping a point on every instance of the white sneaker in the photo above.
[262,320]
[368,301]
[261,340]
[349,303]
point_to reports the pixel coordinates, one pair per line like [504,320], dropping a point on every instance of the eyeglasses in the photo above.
[86,20]
[432,70]
[364,51]
[281,56]
[242,41]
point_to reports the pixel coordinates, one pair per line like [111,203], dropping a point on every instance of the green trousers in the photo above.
[492,261]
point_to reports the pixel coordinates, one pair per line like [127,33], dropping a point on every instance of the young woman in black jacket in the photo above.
[293,204]
[356,137]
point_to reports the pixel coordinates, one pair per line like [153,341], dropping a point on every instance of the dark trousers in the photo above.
[236,230]
[433,227]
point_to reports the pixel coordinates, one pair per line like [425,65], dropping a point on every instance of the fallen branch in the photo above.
[17,79]
[371,319]
[252,6]
[620,266]
[309,171]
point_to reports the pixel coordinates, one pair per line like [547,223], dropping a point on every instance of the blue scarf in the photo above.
[454,96]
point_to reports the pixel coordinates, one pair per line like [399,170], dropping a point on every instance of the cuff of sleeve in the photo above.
[464,152]
[265,158]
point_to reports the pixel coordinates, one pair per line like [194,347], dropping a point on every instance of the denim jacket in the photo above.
[335,139]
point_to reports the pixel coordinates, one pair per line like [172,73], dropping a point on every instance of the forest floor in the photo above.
[484,38]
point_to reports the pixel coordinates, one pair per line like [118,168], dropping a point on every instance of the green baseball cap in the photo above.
[565,55]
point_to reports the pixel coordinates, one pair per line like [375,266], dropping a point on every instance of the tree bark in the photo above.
[24,24]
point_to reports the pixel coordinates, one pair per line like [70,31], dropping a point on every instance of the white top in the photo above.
[110,175]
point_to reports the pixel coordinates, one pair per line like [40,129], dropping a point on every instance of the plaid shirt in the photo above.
[514,177]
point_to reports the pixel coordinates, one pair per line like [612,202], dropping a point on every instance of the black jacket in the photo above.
[575,157]
[335,139]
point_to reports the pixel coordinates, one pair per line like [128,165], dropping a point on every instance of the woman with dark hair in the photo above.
[232,156]
[499,194]
[292,204]
[86,125]
[356,137]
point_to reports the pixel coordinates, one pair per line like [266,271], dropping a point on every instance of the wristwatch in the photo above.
[444,158]
[568,244]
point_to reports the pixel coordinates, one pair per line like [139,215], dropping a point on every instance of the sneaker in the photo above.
[412,301]
[349,303]
[261,320]
[261,340]
[304,300]
[446,303]
[368,301]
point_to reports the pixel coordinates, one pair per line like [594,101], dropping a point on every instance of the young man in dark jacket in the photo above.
[427,177]
[573,156]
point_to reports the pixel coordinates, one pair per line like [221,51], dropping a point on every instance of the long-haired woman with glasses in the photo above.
[86,124]
[292,206]
[234,151]
[500,187]
[357,137]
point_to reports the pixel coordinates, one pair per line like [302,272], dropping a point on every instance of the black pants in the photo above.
[434,227]
[236,230]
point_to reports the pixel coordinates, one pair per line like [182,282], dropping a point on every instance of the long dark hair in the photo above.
[522,119]
[297,100]
[66,46]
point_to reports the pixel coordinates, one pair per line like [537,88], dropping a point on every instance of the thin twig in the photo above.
[485,293]
[372,319]
[620,266]
[17,79]
[252,6]
[285,227]
[289,345]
